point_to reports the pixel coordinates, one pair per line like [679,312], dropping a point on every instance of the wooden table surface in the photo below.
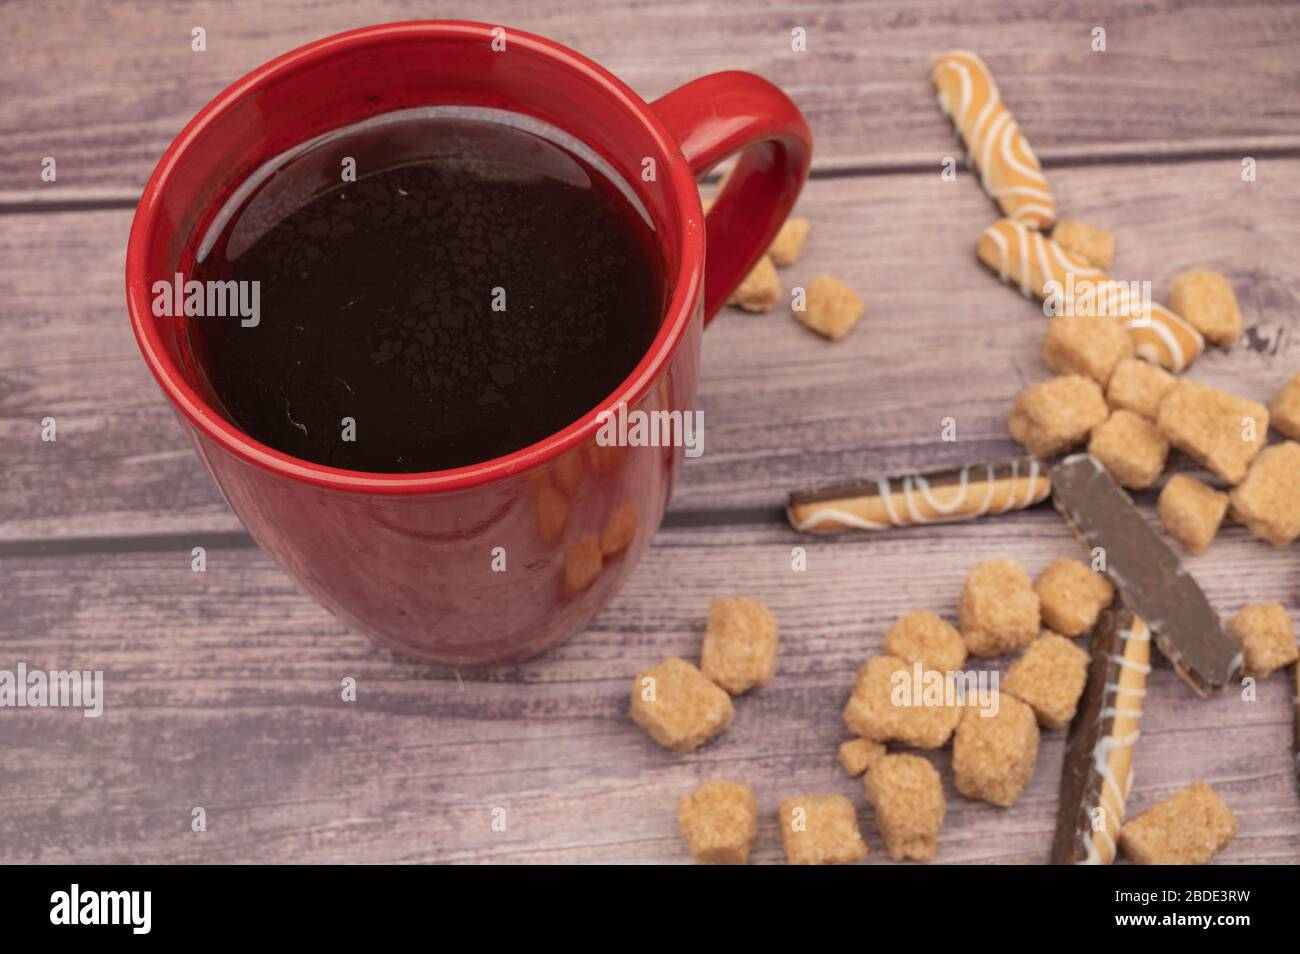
[222,687]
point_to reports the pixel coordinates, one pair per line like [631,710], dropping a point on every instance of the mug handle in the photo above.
[717,116]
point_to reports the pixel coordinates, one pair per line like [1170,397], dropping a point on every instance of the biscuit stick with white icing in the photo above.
[1009,170]
[938,496]
[1030,261]
[1098,770]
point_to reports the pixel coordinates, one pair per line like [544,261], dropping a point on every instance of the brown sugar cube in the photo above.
[1188,829]
[1206,301]
[583,565]
[1049,678]
[908,799]
[1268,500]
[788,244]
[1057,414]
[1078,344]
[921,636]
[1191,511]
[1285,409]
[998,610]
[858,755]
[1131,448]
[678,706]
[1139,386]
[1071,596]
[1094,244]
[719,821]
[739,645]
[994,750]
[619,530]
[1218,429]
[831,309]
[820,830]
[873,713]
[760,289]
[1267,638]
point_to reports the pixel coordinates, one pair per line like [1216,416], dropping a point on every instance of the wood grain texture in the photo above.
[105,93]
[223,691]
[782,407]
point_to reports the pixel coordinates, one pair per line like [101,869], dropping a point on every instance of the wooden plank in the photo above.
[782,407]
[105,94]
[222,691]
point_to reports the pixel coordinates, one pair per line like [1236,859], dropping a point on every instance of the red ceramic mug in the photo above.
[502,559]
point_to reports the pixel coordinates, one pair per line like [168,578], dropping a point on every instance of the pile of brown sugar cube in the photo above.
[1116,355]
[829,307]
[1116,389]
[683,706]
[994,731]
[1143,411]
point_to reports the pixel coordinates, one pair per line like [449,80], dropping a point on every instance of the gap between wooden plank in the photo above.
[27,202]
[673,520]
[239,540]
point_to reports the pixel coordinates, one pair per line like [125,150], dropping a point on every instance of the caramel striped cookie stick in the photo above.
[1161,337]
[938,496]
[1009,171]
[1030,261]
[1098,771]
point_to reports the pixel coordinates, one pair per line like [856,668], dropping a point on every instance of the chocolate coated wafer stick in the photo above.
[937,496]
[1098,770]
[1148,575]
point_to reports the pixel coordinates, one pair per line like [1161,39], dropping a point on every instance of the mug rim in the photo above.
[687,283]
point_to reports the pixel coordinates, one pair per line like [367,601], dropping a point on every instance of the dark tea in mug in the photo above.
[436,288]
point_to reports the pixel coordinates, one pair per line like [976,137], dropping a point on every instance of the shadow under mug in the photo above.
[503,559]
